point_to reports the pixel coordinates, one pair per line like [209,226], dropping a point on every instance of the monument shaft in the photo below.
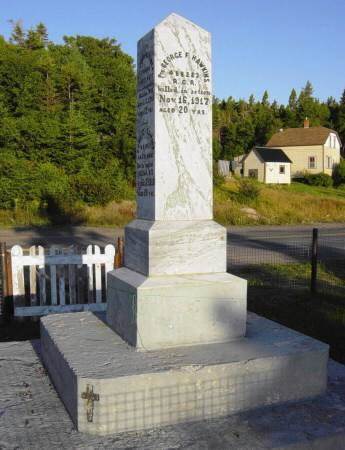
[174,123]
[174,289]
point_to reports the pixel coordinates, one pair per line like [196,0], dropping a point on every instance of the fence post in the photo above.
[6,299]
[17,271]
[314,249]
[9,274]
[119,254]
[3,279]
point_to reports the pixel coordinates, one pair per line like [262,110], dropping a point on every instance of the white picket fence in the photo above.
[59,280]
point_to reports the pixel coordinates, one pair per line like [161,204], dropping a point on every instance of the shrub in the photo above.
[17,180]
[248,190]
[56,193]
[339,173]
[218,180]
[119,185]
[7,193]
[319,179]
[99,187]
[93,190]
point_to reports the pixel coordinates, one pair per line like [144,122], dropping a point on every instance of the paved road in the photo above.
[27,236]
[287,233]
[284,244]
[245,244]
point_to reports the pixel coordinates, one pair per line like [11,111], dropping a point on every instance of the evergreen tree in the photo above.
[308,90]
[293,100]
[265,97]
[17,34]
[65,110]
[42,32]
[310,107]
[342,99]
[339,119]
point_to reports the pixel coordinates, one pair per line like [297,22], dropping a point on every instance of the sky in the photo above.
[256,44]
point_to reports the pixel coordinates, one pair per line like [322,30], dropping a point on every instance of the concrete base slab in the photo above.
[175,310]
[108,386]
[33,417]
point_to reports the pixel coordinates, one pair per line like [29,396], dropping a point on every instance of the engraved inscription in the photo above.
[145,86]
[145,164]
[183,85]
[145,140]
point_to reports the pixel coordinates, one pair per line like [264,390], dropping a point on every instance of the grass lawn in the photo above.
[276,205]
[317,190]
[321,316]
[295,274]
[281,293]
[279,204]
[114,214]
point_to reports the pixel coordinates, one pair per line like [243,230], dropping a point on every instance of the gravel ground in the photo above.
[32,417]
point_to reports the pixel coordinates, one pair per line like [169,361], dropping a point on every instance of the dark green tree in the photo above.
[265,97]
[18,33]
[293,100]
[66,111]
[342,99]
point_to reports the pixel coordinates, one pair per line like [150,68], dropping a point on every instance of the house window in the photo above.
[312,162]
[329,162]
[332,139]
[282,169]
[253,173]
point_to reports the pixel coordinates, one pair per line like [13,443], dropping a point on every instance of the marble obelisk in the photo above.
[174,289]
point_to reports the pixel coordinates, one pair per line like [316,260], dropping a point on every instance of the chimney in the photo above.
[306,123]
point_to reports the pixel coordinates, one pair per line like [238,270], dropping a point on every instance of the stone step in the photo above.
[108,386]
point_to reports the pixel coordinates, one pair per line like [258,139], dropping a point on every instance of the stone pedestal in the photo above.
[108,386]
[173,247]
[169,311]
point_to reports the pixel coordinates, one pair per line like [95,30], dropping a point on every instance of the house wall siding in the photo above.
[273,176]
[300,159]
[299,156]
[331,140]
[252,161]
[335,159]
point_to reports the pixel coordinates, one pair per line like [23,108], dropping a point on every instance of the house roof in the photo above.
[272,155]
[291,137]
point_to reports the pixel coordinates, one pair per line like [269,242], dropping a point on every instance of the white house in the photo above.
[311,149]
[268,165]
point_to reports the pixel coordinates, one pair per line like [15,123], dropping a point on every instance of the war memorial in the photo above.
[178,344]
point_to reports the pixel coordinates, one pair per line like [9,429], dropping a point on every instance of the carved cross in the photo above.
[90,398]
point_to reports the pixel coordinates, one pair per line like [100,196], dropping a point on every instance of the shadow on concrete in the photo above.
[318,315]
[61,236]
[246,249]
